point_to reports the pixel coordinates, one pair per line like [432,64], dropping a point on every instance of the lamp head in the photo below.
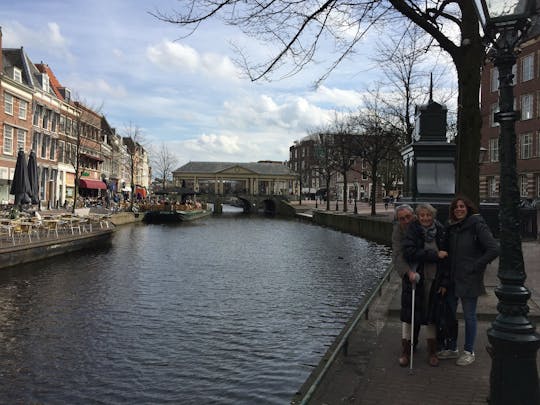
[499,14]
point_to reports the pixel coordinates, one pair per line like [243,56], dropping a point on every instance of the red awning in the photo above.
[95,184]
[141,191]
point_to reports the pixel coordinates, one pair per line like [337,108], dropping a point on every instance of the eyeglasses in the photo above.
[404,218]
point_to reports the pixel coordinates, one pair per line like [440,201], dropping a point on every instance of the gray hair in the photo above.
[403,207]
[427,207]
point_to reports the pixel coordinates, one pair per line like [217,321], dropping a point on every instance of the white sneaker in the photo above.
[465,359]
[448,354]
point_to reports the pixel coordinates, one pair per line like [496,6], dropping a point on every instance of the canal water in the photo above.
[227,310]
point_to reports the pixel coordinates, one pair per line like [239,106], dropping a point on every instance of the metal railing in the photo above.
[343,342]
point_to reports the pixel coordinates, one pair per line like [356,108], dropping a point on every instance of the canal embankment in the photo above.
[361,368]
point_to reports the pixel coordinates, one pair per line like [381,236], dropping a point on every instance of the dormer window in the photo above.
[68,95]
[45,82]
[17,74]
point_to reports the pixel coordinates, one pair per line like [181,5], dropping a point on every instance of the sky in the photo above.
[184,93]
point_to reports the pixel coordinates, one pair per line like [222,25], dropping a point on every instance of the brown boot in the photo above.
[433,360]
[405,352]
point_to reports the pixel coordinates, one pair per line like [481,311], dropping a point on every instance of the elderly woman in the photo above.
[422,248]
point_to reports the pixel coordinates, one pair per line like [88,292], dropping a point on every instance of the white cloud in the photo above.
[51,38]
[337,97]
[294,113]
[175,56]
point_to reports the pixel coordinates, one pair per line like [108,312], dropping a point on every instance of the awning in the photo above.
[141,191]
[95,184]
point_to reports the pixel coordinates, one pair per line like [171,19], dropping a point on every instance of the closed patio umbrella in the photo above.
[20,185]
[33,178]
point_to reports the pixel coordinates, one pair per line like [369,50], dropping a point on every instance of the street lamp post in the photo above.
[514,341]
[355,198]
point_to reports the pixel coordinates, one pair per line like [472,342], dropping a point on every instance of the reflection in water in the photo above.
[225,310]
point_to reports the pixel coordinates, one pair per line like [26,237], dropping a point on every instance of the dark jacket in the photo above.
[416,255]
[471,247]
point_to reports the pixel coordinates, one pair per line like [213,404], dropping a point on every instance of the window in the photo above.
[21,139]
[364,175]
[538,185]
[45,141]
[17,74]
[494,109]
[62,124]
[494,79]
[46,115]
[523,183]
[23,108]
[526,106]
[52,151]
[494,150]
[527,68]
[8,103]
[54,121]
[525,146]
[37,114]
[61,151]
[36,141]
[8,140]
[492,187]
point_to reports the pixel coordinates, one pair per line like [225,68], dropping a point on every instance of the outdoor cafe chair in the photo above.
[51,225]
[6,232]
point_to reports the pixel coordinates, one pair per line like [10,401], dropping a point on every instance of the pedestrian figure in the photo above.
[471,247]
[404,215]
[422,247]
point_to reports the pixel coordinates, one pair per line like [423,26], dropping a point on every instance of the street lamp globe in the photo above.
[514,341]
[499,14]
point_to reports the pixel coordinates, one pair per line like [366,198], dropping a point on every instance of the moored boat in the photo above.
[172,214]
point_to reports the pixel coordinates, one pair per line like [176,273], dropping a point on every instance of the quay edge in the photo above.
[43,249]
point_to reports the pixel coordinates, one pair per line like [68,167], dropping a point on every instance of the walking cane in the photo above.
[416,280]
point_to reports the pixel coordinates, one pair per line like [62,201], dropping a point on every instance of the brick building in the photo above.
[38,113]
[527,101]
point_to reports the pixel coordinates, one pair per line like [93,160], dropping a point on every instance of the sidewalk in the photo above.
[370,373]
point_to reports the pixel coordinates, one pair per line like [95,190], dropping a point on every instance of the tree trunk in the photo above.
[345,193]
[327,193]
[468,61]
[374,189]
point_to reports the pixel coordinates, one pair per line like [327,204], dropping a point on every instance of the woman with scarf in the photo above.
[422,248]
[471,247]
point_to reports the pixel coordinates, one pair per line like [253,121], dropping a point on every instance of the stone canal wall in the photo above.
[376,228]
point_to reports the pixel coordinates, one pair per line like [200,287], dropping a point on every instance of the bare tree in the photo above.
[164,164]
[133,140]
[300,27]
[343,150]
[401,58]
[83,138]
[377,142]
[323,160]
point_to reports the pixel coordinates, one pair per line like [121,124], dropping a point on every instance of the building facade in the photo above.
[527,101]
[71,141]
[303,161]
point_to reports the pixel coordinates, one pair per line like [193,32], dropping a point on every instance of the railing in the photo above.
[343,343]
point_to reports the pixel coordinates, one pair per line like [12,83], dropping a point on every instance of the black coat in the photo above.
[471,247]
[416,255]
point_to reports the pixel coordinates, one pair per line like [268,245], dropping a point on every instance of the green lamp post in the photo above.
[514,341]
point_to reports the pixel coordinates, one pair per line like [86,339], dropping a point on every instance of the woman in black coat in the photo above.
[471,247]
[422,248]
